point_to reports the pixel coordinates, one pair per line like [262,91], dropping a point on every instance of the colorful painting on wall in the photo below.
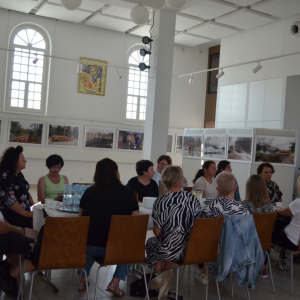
[239,148]
[192,146]
[170,143]
[99,138]
[178,146]
[214,147]
[92,78]
[63,135]
[130,140]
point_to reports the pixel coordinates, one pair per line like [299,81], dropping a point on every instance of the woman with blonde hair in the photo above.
[257,196]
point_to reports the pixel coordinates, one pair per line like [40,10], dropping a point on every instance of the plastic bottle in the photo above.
[66,191]
[69,200]
[76,199]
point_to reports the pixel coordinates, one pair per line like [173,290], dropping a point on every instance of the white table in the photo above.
[39,220]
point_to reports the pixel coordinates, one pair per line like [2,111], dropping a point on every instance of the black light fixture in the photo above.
[35,60]
[143,67]
[144,52]
[146,40]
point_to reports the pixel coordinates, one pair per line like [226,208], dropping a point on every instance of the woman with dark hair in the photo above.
[224,165]
[204,180]
[107,197]
[266,170]
[51,186]
[143,185]
[162,162]
[14,189]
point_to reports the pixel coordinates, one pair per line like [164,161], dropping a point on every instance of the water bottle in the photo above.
[66,191]
[76,199]
[69,200]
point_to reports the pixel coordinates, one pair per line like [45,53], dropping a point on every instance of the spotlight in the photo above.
[79,68]
[221,73]
[191,80]
[295,28]
[143,67]
[144,52]
[146,40]
[118,73]
[257,68]
[35,60]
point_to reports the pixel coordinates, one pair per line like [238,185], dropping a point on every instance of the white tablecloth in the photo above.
[39,220]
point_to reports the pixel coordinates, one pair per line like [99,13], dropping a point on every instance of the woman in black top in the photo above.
[107,197]
[14,189]
[143,185]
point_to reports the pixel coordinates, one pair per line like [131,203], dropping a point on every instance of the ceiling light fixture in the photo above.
[71,4]
[119,73]
[139,14]
[220,74]
[143,67]
[191,80]
[257,68]
[144,52]
[175,4]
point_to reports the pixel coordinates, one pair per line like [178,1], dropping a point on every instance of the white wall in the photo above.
[67,106]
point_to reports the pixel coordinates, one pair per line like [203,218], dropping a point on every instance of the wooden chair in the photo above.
[264,224]
[63,246]
[188,189]
[125,244]
[202,246]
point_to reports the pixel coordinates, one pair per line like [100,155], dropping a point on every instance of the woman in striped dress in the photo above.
[173,217]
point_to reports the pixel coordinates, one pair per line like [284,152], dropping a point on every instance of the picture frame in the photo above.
[192,146]
[92,78]
[25,132]
[63,135]
[130,140]
[277,150]
[99,138]
[170,143]
[178,144]
[239,148]
[1,129]
[214,147]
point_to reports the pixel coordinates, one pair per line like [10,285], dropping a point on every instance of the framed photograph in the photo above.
[179,143]
[63,135]
[192,146]
[25,132]
[1,129]
[277,150]
[170,143]
[130,140]
[239,148]
[92,78]
[214,147]
[99,138]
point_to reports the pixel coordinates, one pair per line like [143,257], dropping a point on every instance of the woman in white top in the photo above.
[205,181]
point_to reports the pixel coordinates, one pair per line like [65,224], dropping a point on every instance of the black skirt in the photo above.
[17,220]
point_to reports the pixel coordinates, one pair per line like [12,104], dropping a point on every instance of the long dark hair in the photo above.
[200,172]
[221,166]
[106,174]
[10,159]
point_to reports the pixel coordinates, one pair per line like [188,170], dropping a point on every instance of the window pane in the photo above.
[134,100]
[15,85]
[142,116]
[136,92]
[19,41]
[37,105]
[128,115]
[30,95]
[136,85]
[31,77]
[38,87]
[24,68]
[131,77]
[17,59]
[37,96]
[30,33]
[21,103]
[133,115]
[130,90]
[38,37]
[14,102]
[16,75]
[39,71]
[129,107]
[30,104]
[23,76]
[22,86]
[17,67]
[38,78]
[21,94]
[14,94]
[24,60]
[32,70]
[31,87]
[40,45]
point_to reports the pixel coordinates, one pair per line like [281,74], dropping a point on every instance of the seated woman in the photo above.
[224,165]
[107,197]
[14,189]
[51,186]
[204,180]
[143,185]
[225,205]
[173,218]
[266,170]
[289,236]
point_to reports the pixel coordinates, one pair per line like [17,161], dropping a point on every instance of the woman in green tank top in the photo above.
[51,186]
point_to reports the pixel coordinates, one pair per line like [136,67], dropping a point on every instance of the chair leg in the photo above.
[22,276]
[96,285]
[31,284]
[292,275]
[218,290]
[261,268]
[127,268]
[270,268]
[87,285]
[248,293]
[145,280]
[177,282]
[75,286]
[232,282]
[206,287]
[189,278]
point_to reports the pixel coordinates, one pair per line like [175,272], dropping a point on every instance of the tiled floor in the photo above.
[64,281]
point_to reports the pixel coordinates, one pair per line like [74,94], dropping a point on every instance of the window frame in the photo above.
[46,71]
[133,121]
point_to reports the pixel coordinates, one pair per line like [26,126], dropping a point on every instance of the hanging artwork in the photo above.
[239,148]
[178,146]
[25,132]
[99,138]
[130,140]
[170,143]
[214,147]
[1,127]
[92,78]
[275,149]
[192,146]
[63,135]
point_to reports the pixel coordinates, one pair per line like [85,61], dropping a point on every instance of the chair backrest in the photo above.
[64,243]
[204,240]
[188,189]
[126,240]
[264,224]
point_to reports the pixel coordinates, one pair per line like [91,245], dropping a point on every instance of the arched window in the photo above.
[136,101]
[27,76]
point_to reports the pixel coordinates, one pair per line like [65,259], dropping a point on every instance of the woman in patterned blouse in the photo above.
[14,189]
[266,170]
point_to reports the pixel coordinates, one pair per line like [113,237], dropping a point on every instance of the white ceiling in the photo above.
[198,22]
